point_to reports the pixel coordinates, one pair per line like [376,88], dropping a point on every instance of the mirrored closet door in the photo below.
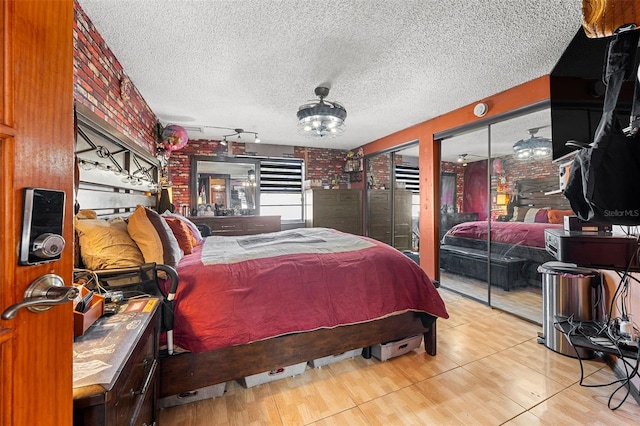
[463,205]
[499,192]
[393,198]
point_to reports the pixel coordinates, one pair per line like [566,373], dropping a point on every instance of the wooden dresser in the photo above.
[239,225]
[115,366]
[339,209]
[379,217]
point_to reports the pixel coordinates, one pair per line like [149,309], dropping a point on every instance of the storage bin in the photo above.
[207,392]
[82,321]
[275,374]
[331,359]
[385,351]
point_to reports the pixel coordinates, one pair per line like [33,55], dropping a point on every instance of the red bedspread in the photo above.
[246,299]
[521,233]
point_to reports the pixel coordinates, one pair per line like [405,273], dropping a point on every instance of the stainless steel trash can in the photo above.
[567,291]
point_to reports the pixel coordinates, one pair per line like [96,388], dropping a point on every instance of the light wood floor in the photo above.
[525,302]
[489,370]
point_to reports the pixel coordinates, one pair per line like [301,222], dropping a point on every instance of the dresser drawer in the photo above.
[330,196]
[336,210]
[339,209]
[349,224]
[226,225]
[138,380]
[378,197]
[240,225]
[350,196]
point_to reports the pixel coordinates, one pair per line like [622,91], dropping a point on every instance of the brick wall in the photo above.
[322,164]
[527,169]
[379,171]
[97,85]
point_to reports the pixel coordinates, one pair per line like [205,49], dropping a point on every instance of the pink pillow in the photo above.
[541,216]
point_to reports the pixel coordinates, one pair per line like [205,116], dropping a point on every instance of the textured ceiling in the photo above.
[251,63]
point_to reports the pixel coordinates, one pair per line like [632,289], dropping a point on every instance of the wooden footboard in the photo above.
[189,371]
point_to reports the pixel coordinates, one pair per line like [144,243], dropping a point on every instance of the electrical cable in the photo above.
[591,330]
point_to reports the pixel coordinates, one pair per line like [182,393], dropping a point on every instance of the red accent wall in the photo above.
[474,196]
[97,78]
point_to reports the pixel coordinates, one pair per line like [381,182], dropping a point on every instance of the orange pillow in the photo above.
[557,216]
[182,233]
[154,237]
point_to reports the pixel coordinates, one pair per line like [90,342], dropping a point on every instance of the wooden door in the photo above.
[36,150]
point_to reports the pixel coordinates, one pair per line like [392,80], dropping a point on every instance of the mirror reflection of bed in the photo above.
[510,198]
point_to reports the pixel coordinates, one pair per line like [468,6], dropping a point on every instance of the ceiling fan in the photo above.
[534,146]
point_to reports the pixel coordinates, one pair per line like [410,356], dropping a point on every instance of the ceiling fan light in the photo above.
[533,146]
[327,118]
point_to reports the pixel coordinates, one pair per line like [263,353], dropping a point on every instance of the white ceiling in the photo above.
[251,63]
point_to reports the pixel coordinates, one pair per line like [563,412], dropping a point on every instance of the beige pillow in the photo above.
[530,216]
[154,237]
[105,246]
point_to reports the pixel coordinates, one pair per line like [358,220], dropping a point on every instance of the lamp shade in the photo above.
[502,199]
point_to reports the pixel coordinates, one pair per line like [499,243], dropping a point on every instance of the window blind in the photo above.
[284,176]
[410,176]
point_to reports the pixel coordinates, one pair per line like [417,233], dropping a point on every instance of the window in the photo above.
[410,177]
[281,189]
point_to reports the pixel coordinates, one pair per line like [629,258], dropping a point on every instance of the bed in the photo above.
[278,299]
[226,305]
[517,240]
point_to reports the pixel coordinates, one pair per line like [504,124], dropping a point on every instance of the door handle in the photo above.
[43,293]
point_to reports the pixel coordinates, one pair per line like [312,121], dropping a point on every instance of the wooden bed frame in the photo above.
[187,372]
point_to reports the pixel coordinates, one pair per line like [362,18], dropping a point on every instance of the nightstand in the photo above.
[115,365]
